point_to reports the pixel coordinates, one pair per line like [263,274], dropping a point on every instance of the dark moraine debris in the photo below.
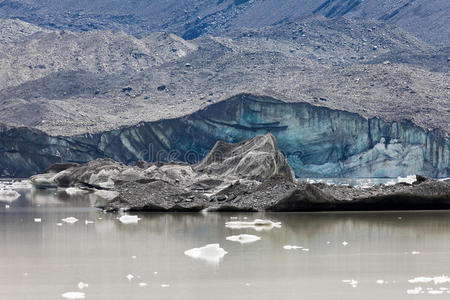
[252,175]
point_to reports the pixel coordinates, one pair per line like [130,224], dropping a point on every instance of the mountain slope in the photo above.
[427,19]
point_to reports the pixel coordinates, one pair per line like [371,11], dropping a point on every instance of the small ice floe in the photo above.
[59,224]
[82,285]
[156,273]
[352,282]
[257,224]
[328,243]
[142,284]
[72,191]
[7,206]
[25,274]
[37,220]
[243,238]
[128,219]
[70,220]
[291,247]
[74,295]
[415,291]
[129,277]
[380,281]
[415,252]
[344,243]
[134,257]
[165,285]
[247,284]
[437,279]
[8,195]
[88,222]
[233,218]
[435,292]
[408,179]
[21,185]
[211,253]
[305,249]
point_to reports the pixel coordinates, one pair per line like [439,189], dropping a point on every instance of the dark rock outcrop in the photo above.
[252,175]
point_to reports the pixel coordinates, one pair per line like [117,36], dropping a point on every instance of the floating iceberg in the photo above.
[72,191]
[8,195]
[37,220]
[82,285]
[437,279]
[291,247]
[352,282]
[70,220]
[74,295]
[21,185]
[257,224]
[128,219]
[130,277]
[415,291]
[142,284]
[211,253]
[243,238]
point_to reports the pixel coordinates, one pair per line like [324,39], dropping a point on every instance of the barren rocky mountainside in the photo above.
[67,82]
[344,97]
[427,19]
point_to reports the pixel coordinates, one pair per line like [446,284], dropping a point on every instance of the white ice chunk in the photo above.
[134,257]
[380,281]
[415,291]
[415,252]
[128,219]
[165,285]
[88,222]
[130,277]
[257,224]
[82,285]
[59,224]
[74,295]
[211,253]
[243,238]
[72,191]
[291,247]
[352,282]
[70,220]
[344,243]
[21,185]
[8,195]
[7,206]
[305,249]
[37,220]
[142,284]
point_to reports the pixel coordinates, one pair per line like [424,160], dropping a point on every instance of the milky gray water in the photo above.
[385,254]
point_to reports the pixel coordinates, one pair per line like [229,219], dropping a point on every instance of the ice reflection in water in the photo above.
[376,263]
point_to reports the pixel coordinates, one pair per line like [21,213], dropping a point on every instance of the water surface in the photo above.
[41,260]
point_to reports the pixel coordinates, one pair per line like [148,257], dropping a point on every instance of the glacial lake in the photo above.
[367,255]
